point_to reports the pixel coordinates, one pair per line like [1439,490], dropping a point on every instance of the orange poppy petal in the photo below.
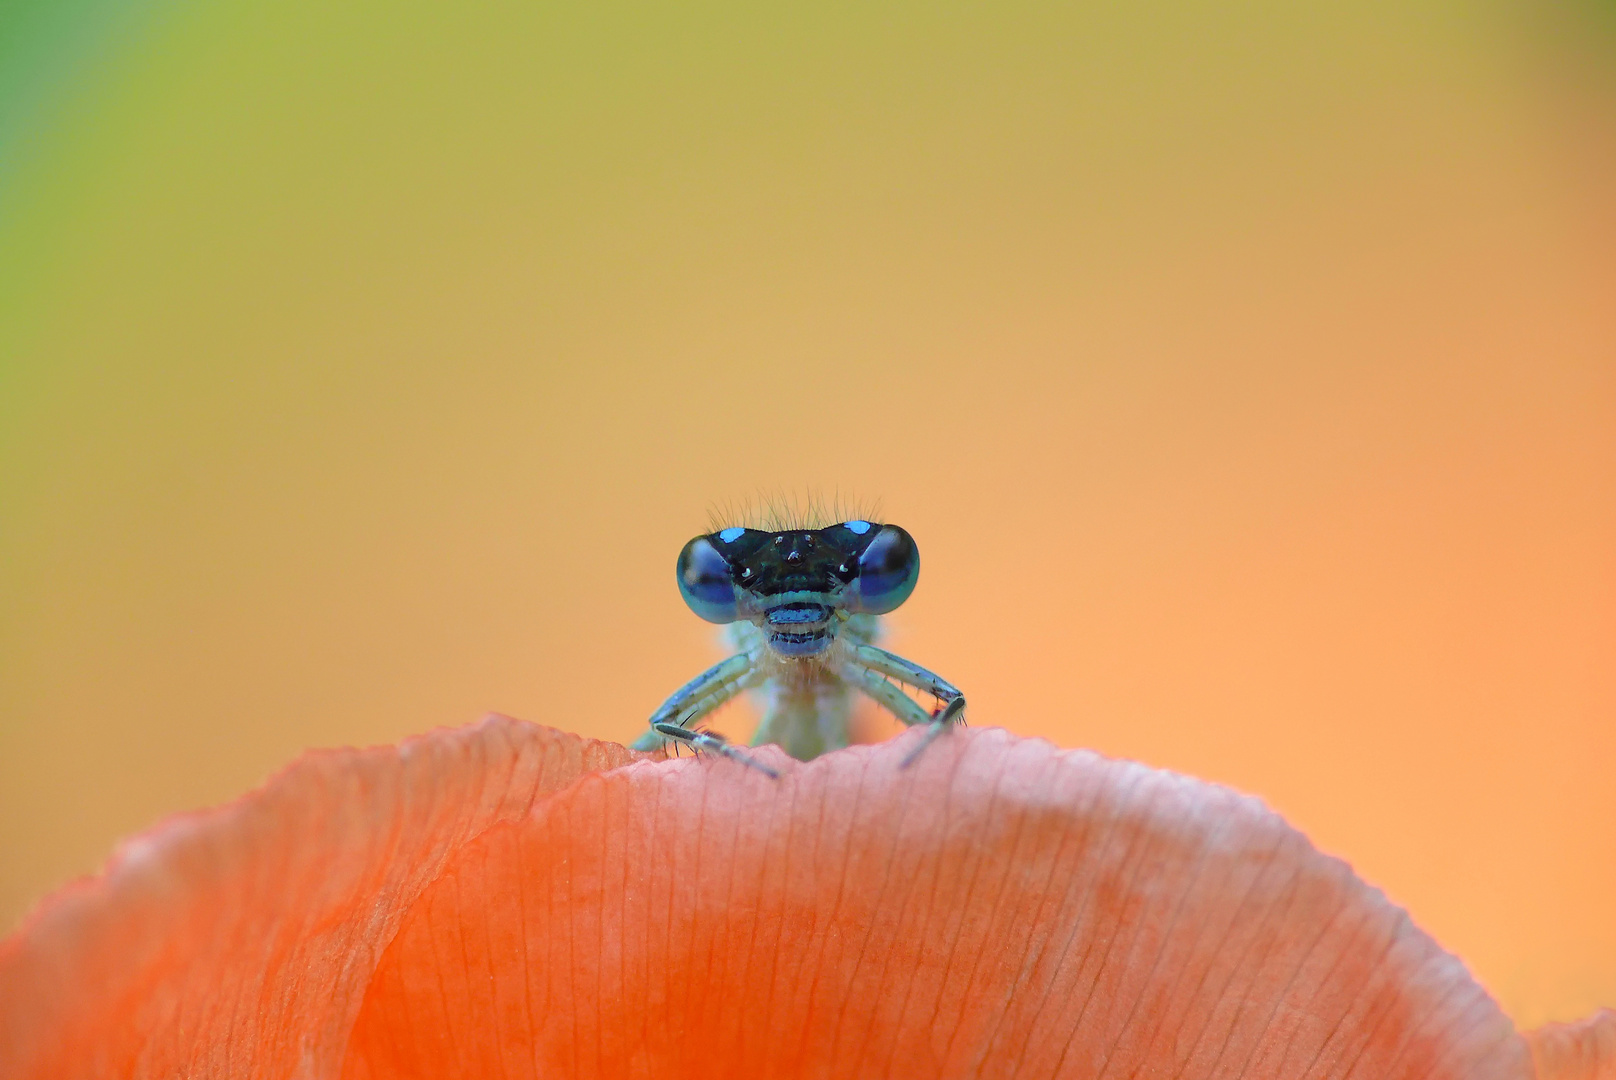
[238,942]
[1585,1050]
[999,908]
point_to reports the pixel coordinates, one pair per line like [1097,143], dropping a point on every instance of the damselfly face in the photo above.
[798,586]
[803,605]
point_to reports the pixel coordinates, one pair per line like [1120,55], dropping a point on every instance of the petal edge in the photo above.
[238,941]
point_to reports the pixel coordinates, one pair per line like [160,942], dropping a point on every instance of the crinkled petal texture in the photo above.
[1585,1050]
[998,909]
[239,942]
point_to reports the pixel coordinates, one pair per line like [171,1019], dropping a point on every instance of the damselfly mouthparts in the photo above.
[803,608]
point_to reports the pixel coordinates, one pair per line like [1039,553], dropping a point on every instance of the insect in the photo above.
[803,608]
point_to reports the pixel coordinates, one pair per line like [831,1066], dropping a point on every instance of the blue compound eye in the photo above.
[887,571]
[705,581]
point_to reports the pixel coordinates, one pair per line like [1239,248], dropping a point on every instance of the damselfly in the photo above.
[803,610]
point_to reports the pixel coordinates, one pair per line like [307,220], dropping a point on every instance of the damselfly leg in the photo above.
[879,674]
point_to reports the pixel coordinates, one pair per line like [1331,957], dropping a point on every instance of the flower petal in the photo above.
[239,941]
[1585,1050]
[999,908]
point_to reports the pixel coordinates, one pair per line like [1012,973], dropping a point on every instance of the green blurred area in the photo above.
[48,50]
[1193,100]
[261,123]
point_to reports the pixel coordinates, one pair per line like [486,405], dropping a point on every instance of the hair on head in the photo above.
[776,512]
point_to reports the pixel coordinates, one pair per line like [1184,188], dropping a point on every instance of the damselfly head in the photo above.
[794,584]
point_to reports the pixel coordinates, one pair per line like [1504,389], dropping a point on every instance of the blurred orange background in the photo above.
[1247,375]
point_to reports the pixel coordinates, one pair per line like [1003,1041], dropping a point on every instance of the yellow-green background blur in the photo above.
[1246,372]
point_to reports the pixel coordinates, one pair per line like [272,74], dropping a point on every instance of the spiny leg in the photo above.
[691,701]
[694,700]
[715,743]
[870,668]
[887,694]
[905,671]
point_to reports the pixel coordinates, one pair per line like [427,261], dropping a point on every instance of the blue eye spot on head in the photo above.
[706,581]
[732,534]
[888,568]
[856,527]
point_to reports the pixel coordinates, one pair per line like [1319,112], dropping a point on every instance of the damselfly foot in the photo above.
[946,718]
[713,743]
